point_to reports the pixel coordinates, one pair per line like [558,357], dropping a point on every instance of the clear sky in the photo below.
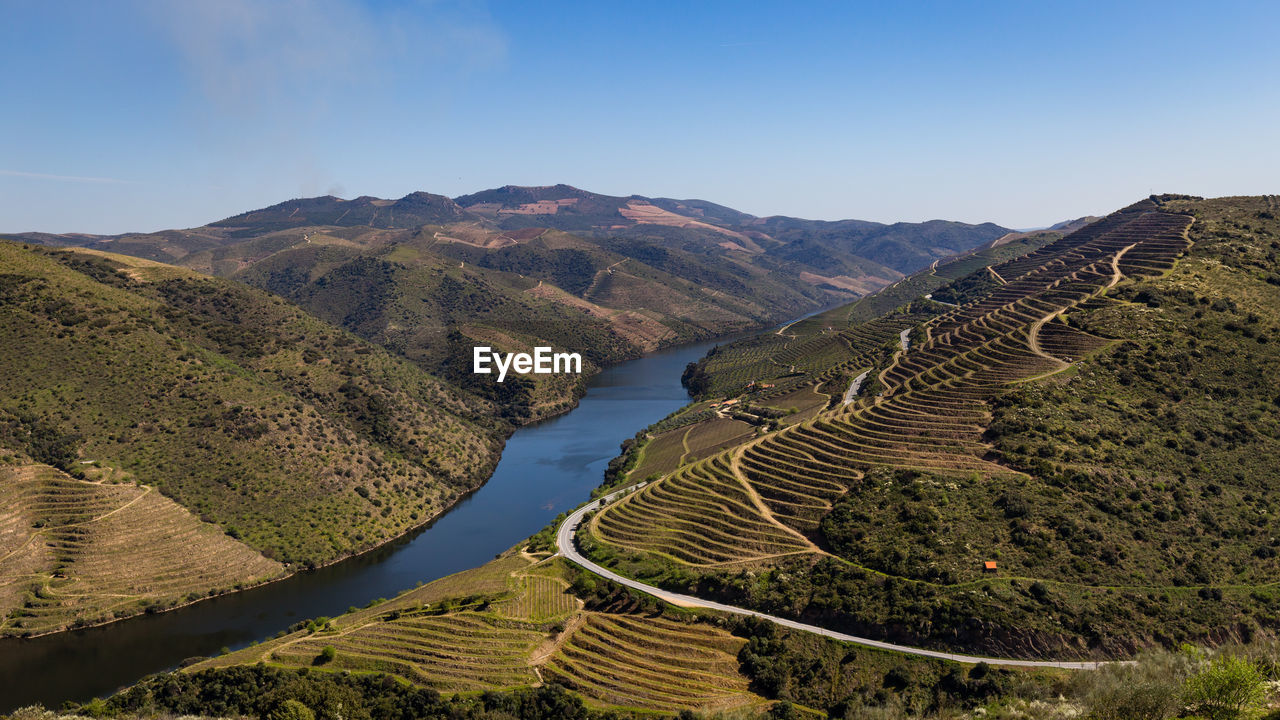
[139,115]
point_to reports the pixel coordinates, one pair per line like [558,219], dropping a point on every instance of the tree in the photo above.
[326,655]
[1225,688]
[783,710]
[292,710]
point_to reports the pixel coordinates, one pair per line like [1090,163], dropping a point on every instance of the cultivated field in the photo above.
[817,505]
[75,553]
[635,661]
[512,623]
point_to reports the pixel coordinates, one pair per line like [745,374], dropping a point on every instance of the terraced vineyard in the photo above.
[788,363]
[460,651]
[74,553]
[701,515]
[653,663]
[930,416]
[815,505]
[514,623]
[809,352]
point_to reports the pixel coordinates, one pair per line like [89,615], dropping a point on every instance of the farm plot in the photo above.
[75,552]
[756,503]
[454,636]
[540,596]
[708,437]
[662,454]
[453,652]
[806,401]
[701,515]
[654,663]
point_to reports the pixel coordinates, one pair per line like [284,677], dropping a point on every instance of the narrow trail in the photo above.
[45,531]
[996,275]
[1116,275]
[684,443]
[109,514]
[595,281]
[1033,341]
[735,467]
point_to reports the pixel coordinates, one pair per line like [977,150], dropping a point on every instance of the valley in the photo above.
[811,451]
[426,276]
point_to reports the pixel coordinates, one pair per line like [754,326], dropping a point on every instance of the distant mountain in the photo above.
[824,246]
[517,266]
[412,210]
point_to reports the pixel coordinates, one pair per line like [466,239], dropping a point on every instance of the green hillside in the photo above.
[1097,417]
[296,438]
[431,302]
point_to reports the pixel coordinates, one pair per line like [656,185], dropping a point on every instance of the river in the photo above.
[545,469]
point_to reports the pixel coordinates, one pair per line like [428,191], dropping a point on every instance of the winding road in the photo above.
[565,543]
[568,548]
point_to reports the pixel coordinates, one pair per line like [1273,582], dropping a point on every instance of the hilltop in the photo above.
[168,435]
[516,267]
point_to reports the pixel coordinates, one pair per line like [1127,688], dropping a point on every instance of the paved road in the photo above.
[567,547]
[854,387]
[904,338]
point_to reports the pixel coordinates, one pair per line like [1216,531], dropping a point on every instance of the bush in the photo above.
[326,655]
[1225,688]
[1147,690]
[292,710]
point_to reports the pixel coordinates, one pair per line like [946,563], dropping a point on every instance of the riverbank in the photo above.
[547,468]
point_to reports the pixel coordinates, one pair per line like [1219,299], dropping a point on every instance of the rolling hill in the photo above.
[169,435]
[1093,417]
[518,267]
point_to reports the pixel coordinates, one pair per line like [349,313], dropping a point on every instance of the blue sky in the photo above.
[141,114]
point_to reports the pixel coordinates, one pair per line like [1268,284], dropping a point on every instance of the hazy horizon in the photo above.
[143,115]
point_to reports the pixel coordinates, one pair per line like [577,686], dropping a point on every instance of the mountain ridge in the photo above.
[519,266]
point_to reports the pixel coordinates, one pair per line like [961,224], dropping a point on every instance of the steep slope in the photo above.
[431,301]
[1097,421]
[519,267]
[75,552]
[291,435]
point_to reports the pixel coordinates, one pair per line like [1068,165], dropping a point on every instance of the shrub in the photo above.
[1147,690]
[1225,688]
[292,710]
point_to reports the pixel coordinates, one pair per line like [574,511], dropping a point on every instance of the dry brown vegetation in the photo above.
[74,552]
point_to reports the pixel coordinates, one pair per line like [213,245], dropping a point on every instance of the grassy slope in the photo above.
[525,619]
[431,300]
[513,623]
[1139,513]
[288,433]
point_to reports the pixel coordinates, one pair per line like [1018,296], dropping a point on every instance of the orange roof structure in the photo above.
[989,565]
